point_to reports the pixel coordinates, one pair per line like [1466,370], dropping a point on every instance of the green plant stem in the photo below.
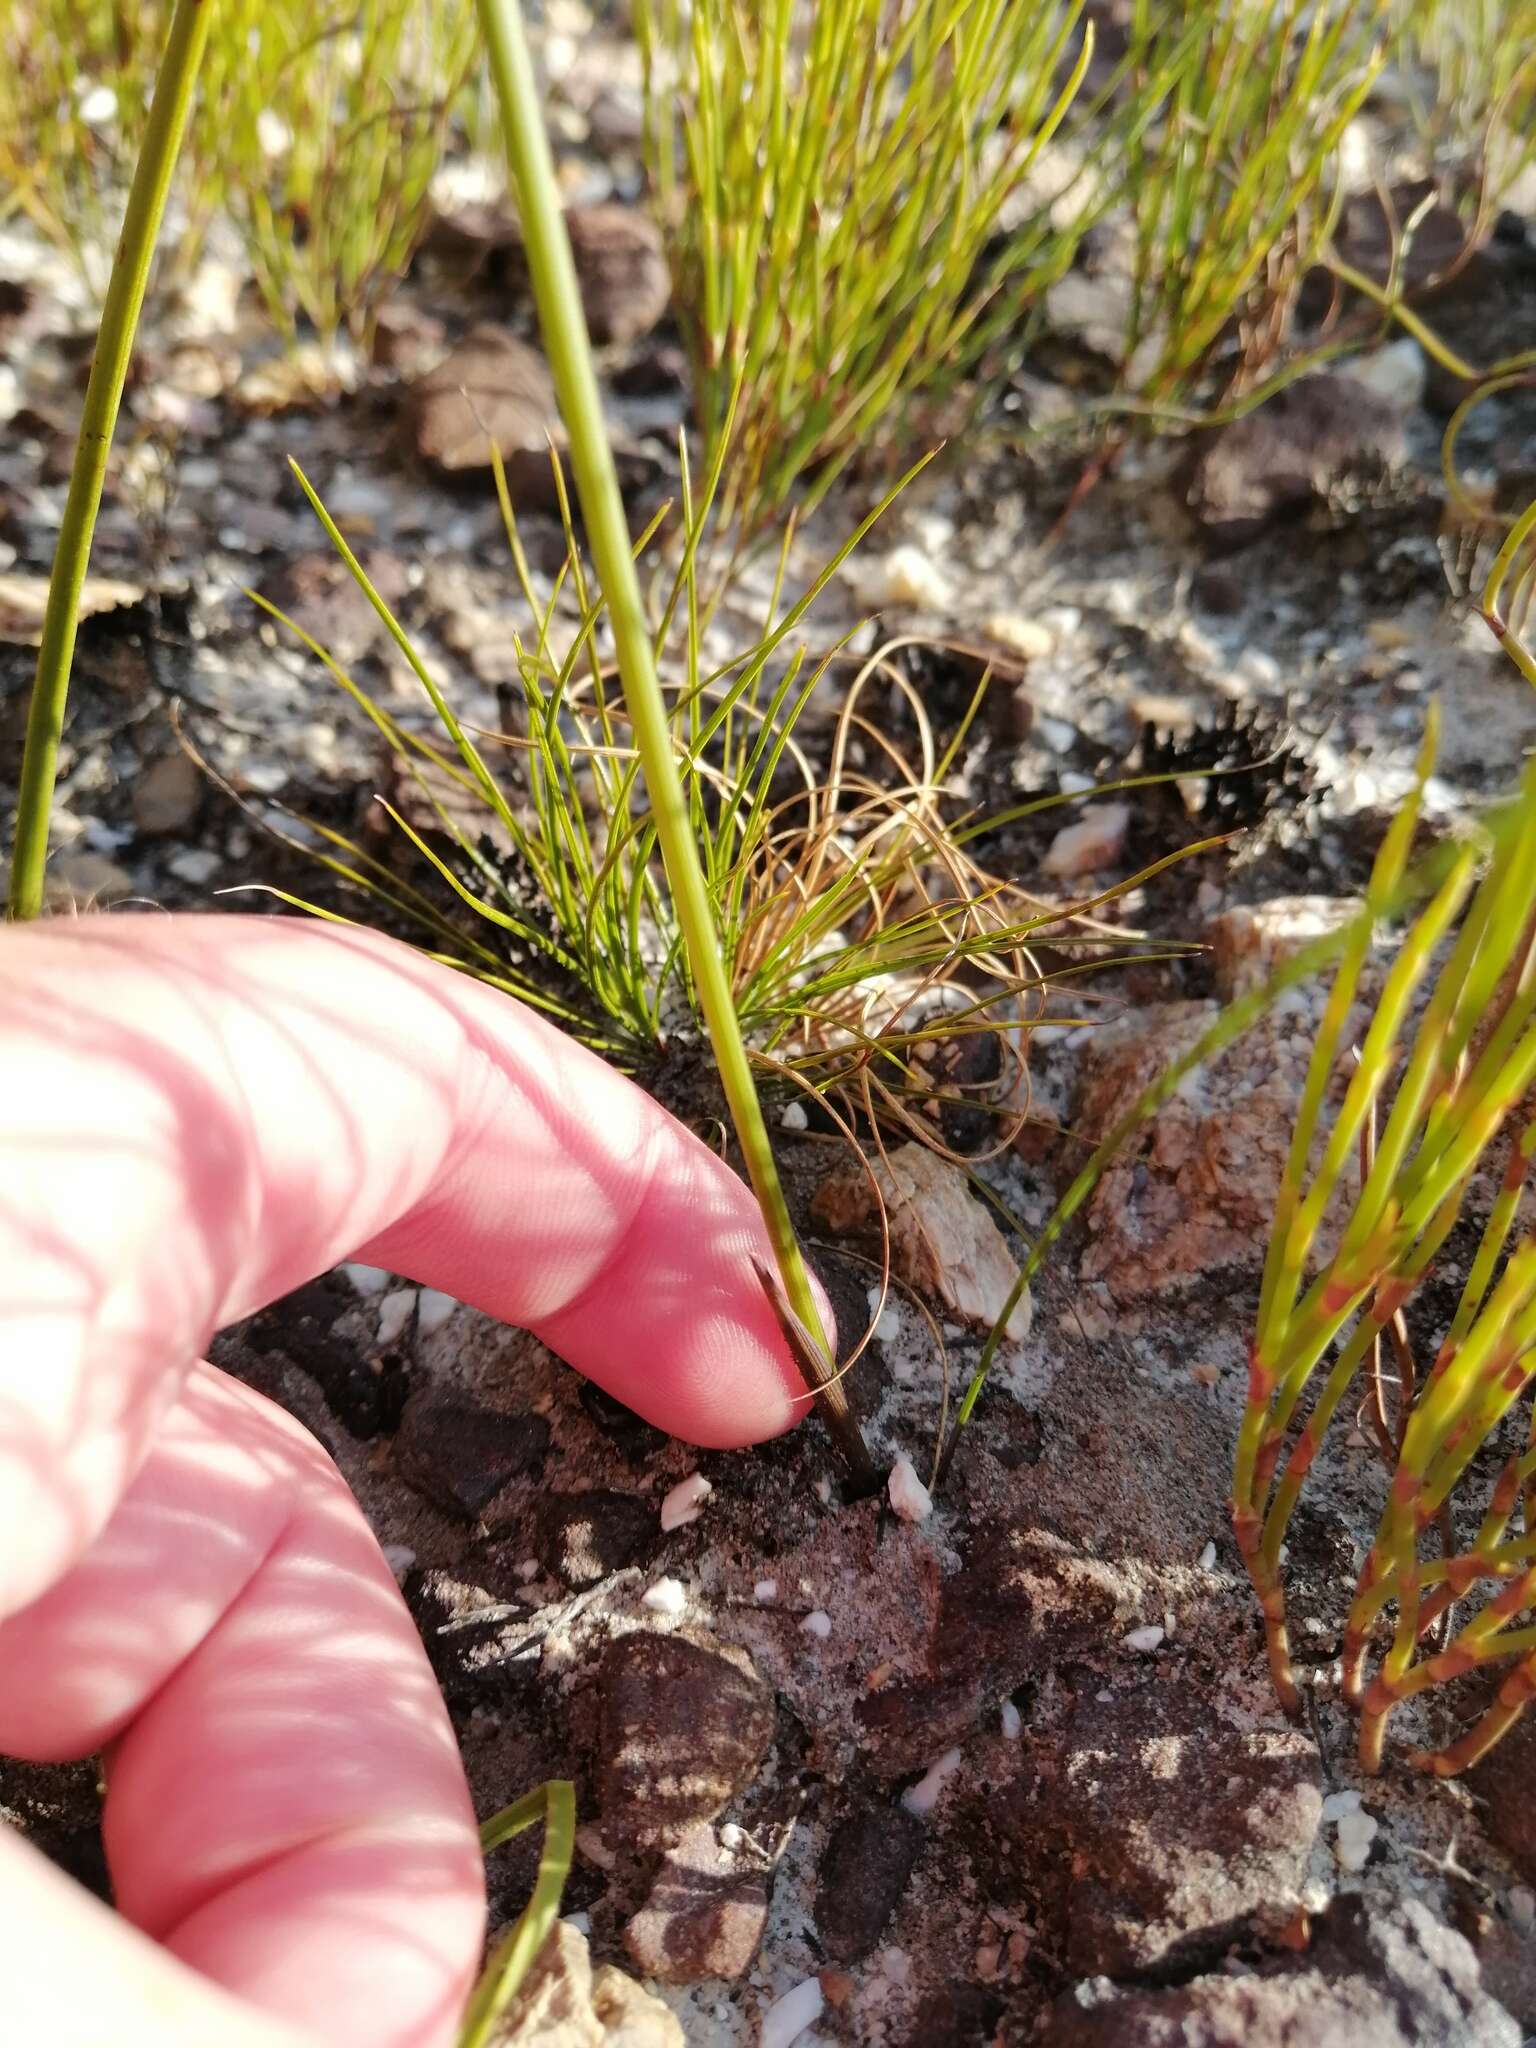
[114,347]
[554,1804]
[553,276]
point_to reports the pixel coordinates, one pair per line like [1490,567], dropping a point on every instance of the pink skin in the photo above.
[196,1115]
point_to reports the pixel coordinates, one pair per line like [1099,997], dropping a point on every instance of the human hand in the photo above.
[196,1115]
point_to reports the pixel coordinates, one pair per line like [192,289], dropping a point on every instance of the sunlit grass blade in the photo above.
[553,1803]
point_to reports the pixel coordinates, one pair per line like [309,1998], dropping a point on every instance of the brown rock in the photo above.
[561,2004]
[1194,1193]
[79,881]
[588,1535]
[24,598]
[1252,941]
[460,1453]
[630,2016]
[321,595]
[1369,237]
[1023,1601]
[1503,1782]
[657,371]
[1313,435]
[1168,1830]
[902,1728]
[1093,841]
[1396,1979]
[407,339]
[466,237]
[490,388]
[705,1914]
[943,1242]
[1507,1959]
[552,2007]
[168,795]
[864,1872]
[683,1729]
[955,2016]
[621,266]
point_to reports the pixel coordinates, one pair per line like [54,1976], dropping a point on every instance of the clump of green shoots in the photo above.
[1449,1086]
[1233,183]
[858,926]
[330,126]
[831,179]
[317,135]
[1469,68]
[74,87]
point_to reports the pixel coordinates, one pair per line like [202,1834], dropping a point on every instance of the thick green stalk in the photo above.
[103,395]
[558,298]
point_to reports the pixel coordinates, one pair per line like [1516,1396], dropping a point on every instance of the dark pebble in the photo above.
[864,1872]
[585,1536]
[460,1453]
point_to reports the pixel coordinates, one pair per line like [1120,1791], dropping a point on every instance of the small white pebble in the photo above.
[765,1592]
[434,1310]
[1061,619]
[908,577]
[98,106]
[788,2017]
[367,1280]
[1024,636]
[685,1503]
[394,1314]
[1337,1804]
[731,1836]
[582,1922]
[909,1497]
[1092,842]
[818,1623]
[923,1797]
[273,133]
[1207,1558]
[824,1491]
[1522,1907]
[793,1117]
[665,1597]
[590,1844]
[399,1557]
[1106,1698]
[1012,1721]
[195,865]
[1352,1847]
[529,1569]
[1258,667]
[1146,1640]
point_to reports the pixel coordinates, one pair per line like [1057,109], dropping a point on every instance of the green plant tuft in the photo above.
[832,179]
[317,135]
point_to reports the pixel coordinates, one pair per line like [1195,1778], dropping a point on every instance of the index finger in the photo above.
[199,1113]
